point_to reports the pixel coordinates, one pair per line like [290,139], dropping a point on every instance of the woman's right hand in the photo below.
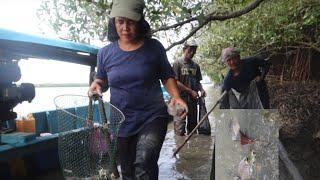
[95,88]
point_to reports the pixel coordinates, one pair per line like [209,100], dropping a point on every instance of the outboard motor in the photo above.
[10,93]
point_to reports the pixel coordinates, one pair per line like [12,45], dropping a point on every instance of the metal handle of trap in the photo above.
[104,120]
[198,125]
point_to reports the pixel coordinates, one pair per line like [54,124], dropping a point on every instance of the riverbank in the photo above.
[298,104]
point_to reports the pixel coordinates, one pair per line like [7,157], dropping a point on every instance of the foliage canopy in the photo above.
[274,28]
[84,19]
[255,27]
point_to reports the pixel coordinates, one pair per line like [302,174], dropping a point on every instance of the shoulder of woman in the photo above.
[110,45]
[107,47]
[155,42]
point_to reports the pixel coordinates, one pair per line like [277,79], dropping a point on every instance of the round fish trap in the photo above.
[88,130]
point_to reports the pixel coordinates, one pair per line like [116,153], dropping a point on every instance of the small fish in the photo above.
[245,168]
[244,139]
[316,135]
[67,170]
[252,158]
[235,130]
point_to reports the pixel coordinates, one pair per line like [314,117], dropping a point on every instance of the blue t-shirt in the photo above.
[133,78]
[251,68]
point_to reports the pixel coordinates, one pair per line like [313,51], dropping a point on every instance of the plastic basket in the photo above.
[87,143]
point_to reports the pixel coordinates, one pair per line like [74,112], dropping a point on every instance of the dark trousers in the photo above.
[192,115]
[139,154]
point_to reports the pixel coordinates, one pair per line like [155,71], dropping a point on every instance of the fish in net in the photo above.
[87,143]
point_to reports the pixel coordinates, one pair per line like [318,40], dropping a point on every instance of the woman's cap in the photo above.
[228,53]
[131,9]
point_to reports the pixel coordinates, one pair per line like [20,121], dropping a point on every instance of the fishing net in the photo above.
[88,130]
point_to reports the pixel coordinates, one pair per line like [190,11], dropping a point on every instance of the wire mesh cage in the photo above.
[88,130]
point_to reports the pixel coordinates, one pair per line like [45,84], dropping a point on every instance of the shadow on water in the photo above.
[195,159]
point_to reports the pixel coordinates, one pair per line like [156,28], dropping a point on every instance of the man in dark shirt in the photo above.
[242,72]
[188,77]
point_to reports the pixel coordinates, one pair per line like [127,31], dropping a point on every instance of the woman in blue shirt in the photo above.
[132,66]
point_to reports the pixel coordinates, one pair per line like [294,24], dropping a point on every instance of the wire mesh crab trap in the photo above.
[88,130]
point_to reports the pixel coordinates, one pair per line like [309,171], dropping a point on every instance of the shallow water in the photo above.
[192,162]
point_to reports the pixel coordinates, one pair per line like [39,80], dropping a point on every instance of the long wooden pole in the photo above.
[198,125]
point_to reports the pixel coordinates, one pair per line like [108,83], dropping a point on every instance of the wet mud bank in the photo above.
[298,105]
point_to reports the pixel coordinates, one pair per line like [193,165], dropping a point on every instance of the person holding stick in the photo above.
[188,77]
[242,76]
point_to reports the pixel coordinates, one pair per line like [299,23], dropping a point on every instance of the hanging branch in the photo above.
[207,19]
[213,16]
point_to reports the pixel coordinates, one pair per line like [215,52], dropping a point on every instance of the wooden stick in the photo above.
[198,125]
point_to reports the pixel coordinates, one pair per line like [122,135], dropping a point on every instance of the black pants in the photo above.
[192,115]
[139,154]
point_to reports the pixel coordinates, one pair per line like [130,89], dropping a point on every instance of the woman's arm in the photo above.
[171,86]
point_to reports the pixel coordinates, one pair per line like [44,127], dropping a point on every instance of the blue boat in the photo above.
[29,155]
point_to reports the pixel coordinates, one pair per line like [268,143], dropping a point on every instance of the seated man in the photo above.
[240,76]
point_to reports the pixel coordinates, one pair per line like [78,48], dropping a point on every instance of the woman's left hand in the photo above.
[180,102]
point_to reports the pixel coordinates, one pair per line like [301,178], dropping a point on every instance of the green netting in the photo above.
[88,134]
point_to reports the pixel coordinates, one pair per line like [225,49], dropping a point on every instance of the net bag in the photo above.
[87,143]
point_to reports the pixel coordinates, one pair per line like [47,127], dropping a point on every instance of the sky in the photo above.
[20,15]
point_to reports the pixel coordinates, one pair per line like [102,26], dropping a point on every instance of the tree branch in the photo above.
[164,28]
[311,45]
[188,36]
[210,17]
[245,10]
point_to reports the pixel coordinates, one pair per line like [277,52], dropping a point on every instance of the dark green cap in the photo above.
[131,9]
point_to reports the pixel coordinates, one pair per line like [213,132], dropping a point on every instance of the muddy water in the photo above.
[194,160]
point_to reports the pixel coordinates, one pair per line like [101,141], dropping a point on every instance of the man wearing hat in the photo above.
[242,74]
[188,77]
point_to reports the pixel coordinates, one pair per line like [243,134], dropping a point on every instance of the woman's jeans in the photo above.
[139,154]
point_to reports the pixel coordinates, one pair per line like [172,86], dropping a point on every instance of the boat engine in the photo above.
[10,93]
